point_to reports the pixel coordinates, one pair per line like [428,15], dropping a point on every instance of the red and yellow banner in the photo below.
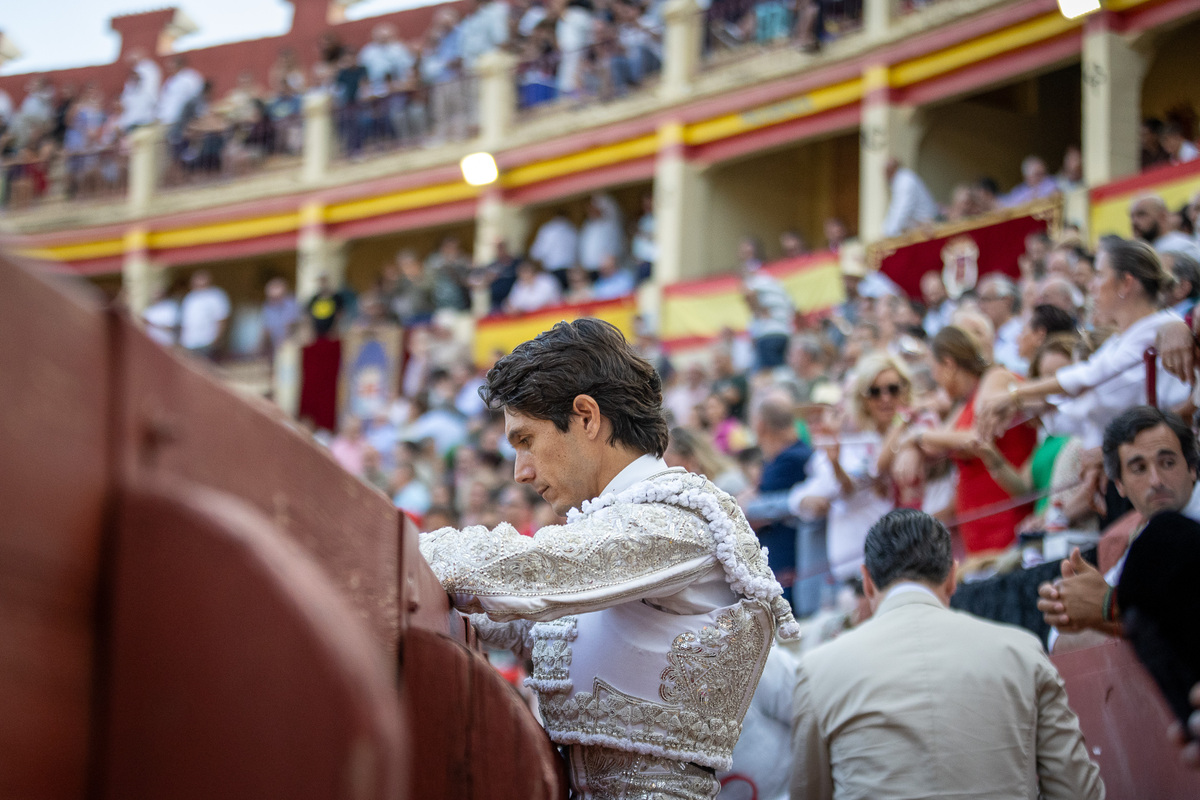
[1110,203]
[695,312]
[964,251]
[500,334]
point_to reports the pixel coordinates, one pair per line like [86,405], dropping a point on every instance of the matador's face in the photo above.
[558,464]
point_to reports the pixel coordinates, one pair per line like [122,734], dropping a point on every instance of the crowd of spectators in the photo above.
[818,425]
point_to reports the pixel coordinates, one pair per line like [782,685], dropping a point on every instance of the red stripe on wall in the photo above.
[638,169]
[400,221]
[1145,181]
[995,70]
[848,116]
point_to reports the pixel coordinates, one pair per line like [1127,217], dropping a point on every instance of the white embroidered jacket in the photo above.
[650,615]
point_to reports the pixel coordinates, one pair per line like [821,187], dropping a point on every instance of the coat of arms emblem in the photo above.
[960,270]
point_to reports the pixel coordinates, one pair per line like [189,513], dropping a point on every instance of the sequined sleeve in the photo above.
[621,553]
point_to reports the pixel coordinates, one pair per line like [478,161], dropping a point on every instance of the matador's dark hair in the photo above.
[542,377]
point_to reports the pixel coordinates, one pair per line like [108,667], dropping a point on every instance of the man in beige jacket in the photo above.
[922,701]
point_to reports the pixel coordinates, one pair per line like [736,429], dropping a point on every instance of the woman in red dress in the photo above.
[960,368]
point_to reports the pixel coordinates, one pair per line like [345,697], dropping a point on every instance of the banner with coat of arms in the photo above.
[964,251]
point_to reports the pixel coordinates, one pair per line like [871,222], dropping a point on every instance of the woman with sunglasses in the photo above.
[844,483]
[962,371]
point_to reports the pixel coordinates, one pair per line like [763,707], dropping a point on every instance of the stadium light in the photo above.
[479,169]
[1077,8]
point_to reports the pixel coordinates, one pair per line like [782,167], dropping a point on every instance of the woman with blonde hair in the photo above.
[844,484]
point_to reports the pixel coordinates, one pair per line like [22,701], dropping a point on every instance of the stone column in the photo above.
[683,31]
[681,201]
[1112,100]
[319,140]
[137,273]
[145,163]
[316,254]
[497,219]
[877,17]
[497,97]
[888,130]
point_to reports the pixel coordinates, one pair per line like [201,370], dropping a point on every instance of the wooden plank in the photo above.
[236,670]
[179,420]
[1124,722]
[54,412]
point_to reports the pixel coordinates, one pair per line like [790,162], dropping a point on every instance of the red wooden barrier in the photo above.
[196,601]
[1124,721]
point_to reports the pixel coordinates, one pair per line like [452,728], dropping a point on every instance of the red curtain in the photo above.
[319,366]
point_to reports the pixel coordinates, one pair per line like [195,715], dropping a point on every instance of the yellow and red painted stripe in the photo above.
[922,68]
[1110,203]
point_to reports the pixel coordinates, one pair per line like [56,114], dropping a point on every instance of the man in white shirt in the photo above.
[139,98]
[911,203]
[182,84]
[483,30]
[161,318]
[383,57]
[1149,217]
[203,316]
[923,701]
[556,246]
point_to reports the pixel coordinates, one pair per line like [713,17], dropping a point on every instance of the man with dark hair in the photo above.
[1152,458]
[650,613]
[922,701]
[1043,322]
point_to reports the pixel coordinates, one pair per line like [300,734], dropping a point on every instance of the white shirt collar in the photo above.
[637,470]
[910,586]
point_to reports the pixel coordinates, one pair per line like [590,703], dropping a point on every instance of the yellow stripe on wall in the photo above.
[803,105]
[705,315]
[503,336]
[401,201]
[583,161]
[225,231]
[976,50]
[76,252]
[1111,215]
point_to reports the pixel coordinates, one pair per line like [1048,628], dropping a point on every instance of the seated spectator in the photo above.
[556,245]
[1181,297]
[785,464]
[533,290]
[203,316]
[1178,149]
[869,706]
[845,485]
[971,381]
[1153,154]
[1129,278]
[409,493]
[1040,471]
[349,447]
[939,306]
[1151,457]
[695,453]
[449,267]
[579,286]
[1150,220]
[612,281]
[325,309]
[1036,184]
[412,299]
[1070,176]
[161,317]
[602,234]
[910,202]
[537,82]
[280,316]
[728,433]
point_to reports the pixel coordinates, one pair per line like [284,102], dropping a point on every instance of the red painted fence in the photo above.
[196,601]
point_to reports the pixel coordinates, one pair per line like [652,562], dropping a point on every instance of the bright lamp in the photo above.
[479,169]
[1077,8]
